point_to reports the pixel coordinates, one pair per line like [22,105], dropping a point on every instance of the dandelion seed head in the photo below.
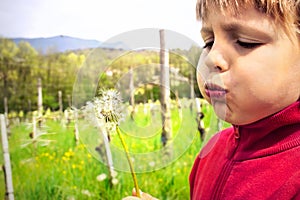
[105,109]
[109,105]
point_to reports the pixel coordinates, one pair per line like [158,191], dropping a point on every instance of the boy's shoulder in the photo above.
[290,190]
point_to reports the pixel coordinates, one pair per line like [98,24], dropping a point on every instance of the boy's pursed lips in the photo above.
[215,91]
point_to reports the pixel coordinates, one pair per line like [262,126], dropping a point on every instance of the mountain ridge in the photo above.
[63,43]
[59,43]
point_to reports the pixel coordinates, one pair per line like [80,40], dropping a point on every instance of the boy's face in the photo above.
[249,68]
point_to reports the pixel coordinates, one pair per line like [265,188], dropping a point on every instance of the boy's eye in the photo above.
[208,44]
[248,45]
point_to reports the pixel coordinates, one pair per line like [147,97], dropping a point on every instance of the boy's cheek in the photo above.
[202,90]
[200,83]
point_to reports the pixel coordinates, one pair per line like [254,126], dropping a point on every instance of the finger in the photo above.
[131,198]
[134,192]
[144,196]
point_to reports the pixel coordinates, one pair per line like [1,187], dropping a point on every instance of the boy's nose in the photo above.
[216,61]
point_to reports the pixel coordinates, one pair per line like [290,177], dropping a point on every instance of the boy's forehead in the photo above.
[270,7]
[284,13]
[228,7]
[229,14]
[251,21]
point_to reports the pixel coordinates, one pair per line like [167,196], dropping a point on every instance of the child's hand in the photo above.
[144,196]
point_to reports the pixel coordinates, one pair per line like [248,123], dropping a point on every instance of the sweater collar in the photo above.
[273,134]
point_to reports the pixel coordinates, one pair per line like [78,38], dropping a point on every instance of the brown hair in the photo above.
[284,12]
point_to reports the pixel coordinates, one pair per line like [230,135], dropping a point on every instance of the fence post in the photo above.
[76,130]
[40,97]
[7,165]
[131,87]
[6,113]
[60,103]
[166,135]
[199,119]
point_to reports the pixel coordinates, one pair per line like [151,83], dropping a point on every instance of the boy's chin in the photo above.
[220,108]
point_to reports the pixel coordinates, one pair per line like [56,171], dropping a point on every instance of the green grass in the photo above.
[66,170]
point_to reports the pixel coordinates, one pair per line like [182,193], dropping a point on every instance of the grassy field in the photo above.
[66,170]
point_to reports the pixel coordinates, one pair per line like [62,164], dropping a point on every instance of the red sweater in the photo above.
[256,161]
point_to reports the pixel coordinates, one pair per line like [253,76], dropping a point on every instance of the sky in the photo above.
[96,19]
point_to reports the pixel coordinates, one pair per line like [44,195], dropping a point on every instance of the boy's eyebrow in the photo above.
[206,30]
[233,27]
[237,27]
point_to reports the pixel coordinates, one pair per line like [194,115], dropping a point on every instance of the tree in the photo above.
[23,85]
[8,52]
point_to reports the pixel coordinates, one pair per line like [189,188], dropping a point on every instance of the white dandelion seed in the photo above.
[101,177]
[114,173]
[132,160]
[115,181]
[89,114]
[152,164]
[86,192]
[71,198]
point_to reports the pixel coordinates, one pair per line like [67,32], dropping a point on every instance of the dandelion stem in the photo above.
[129,162]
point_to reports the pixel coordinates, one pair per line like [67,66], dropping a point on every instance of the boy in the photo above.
[250,72]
